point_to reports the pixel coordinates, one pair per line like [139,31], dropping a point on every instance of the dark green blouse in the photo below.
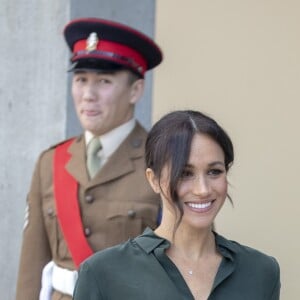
[140,270]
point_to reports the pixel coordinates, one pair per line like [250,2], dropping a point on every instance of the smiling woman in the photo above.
[191,158]
[188,156]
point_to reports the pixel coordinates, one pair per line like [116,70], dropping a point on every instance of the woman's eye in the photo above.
[215,172]
[186,174]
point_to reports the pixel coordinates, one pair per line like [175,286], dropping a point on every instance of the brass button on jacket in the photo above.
[131,213]
[89,199]
[50,212]
[87,231]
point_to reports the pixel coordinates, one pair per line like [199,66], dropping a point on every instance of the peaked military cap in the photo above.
[99,44]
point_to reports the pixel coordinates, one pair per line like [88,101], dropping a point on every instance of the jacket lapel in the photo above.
[77,163]
[121,162]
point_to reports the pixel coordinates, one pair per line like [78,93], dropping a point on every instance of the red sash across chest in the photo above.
[67,205]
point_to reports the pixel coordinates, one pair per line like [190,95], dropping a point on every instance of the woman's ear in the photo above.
[137,90]
[152,179]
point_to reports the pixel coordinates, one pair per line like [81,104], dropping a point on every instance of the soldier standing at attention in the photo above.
[90,192]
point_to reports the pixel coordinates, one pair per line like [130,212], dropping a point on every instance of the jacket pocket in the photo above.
[55,236]
[127,220]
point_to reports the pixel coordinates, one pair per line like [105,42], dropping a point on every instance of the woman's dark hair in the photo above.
[169,142]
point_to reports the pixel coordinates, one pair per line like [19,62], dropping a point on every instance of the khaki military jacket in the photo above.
[115,205]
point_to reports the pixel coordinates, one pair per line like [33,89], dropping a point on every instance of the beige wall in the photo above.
[239,61]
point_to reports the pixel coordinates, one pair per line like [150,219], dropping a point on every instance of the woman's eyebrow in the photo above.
[212,164]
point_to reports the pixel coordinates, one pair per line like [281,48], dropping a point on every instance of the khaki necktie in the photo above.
[93,160]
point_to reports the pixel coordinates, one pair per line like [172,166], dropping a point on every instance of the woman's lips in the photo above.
[200,207]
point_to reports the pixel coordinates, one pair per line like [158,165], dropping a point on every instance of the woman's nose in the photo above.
[201,186]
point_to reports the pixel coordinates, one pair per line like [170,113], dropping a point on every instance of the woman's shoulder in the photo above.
[247,255]
[252,270]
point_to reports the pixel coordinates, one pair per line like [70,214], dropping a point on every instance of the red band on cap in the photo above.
[126,55]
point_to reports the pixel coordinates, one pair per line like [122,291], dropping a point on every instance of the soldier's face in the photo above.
[104,101]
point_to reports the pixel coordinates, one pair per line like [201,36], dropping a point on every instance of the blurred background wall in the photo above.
[239,61]
[36,107]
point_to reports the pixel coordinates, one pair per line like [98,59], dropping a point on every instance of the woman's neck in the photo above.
[188,242]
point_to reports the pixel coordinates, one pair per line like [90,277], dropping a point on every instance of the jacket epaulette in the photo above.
[61,142]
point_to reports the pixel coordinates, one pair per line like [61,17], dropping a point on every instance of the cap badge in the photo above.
[92,42]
